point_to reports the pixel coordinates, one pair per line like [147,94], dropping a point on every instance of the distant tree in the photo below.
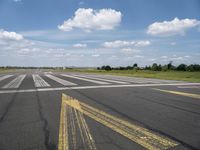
[196,67]
[164,67]
[159,68]
[154,67]
[181,67]
[103,67]
[129,67]
[135,65]
[121,68]
[190,68]
[169,65]
[98,68]
[147,67]
[108,68]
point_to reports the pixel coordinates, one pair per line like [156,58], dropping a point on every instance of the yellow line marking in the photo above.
[140,135]
[69,117]
[63,135]
[72,127]
[86,136]
[197,96]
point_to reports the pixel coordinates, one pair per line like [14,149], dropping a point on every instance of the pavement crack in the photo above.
[8,107]
[47,142]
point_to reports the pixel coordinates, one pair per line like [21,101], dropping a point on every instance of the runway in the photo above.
[65,110]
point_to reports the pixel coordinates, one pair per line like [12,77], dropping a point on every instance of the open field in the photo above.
[169,75]
[3,70]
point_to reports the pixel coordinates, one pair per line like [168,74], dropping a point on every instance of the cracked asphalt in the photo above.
[30,121]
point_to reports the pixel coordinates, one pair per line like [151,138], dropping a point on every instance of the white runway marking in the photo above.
[15,83]
[39,82]
[126,79]
[189,87]
[84,79]
[5,77]
[59,80]
[101,79]
[137,79]
[94,87]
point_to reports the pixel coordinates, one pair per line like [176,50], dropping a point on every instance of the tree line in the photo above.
[155,67]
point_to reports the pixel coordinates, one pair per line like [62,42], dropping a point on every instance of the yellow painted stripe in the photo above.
[63,135]
[140,135]
[197,96]
[68,138]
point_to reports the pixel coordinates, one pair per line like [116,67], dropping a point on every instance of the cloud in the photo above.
[119,43]
[164,57]
[28,50]
[152,59]
[187,56]
[95,55]
[5,35]
[17,0]
[139,56]
[173,43]
[81,3]
[89,19]
[78,45]
[173,27]
[128,50]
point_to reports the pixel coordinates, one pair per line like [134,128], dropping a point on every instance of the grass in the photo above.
[169,75]
[5,70]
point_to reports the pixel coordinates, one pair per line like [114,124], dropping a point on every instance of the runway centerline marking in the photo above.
[196,96]
[142,136]
[91,87]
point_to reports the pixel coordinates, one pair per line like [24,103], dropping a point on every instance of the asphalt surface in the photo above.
[30,116]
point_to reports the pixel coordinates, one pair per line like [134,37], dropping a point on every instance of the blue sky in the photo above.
[99,32]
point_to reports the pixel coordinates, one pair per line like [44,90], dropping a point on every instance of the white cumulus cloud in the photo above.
[173,27]
[127,50]
[89,19]
[95,55]
[79,45]
[119,43]
[5,35]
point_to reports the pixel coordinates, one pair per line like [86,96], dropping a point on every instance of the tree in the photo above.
[169,65]
[154,67]
[190,68]
[129,67]
[108,68]
[159,68]
[165,68]
[103,67]
[181,67]
[135,65]
[196,67]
